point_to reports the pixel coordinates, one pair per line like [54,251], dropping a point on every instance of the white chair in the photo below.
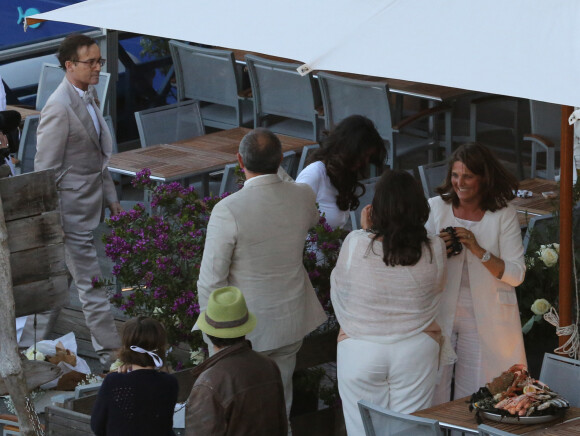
[563,376]
[382,422]
[170,123]
[51,76]
[432,175]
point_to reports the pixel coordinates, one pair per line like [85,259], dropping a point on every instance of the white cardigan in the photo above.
[385,304]
[494,300]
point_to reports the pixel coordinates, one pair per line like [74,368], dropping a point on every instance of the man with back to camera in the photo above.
[236,391]
[74,139]
[255,241]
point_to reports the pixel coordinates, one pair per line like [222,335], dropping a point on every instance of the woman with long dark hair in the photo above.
[385,291]
[339,164]
[479,310]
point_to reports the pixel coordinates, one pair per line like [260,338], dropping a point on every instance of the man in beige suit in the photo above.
[255,241]
[73,138]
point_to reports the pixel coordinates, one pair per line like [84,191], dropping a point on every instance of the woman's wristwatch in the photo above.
[486,256]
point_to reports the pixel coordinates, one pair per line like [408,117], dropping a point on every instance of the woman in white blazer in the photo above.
[479,309]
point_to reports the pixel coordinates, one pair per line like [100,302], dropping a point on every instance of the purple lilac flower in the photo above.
[313,274]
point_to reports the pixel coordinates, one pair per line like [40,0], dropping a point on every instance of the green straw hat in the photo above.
[227,315]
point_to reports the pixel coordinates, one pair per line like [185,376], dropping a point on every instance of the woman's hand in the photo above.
[494,265]
[467,238]
[366,217]
[448,240]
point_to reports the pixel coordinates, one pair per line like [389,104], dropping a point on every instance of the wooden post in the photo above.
[566,168]
[10,365]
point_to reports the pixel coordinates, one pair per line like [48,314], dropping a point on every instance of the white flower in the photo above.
[540,306]
[556,247]
[548,255]
[30,354]
[158,311]
[197,356]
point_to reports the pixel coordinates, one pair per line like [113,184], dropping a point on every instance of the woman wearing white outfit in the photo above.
[385,290]
[338,165]
[479,309]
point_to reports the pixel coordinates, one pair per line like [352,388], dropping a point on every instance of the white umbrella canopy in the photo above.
[521,48]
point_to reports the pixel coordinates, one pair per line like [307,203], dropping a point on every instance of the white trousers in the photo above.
[399,376]
[468,368]
[285,358]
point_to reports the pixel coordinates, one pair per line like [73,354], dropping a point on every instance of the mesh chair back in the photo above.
[563,376]
[342,97]
[487,430]
[545,120]
[365,199]
[307,150]
[545,229]
[432,175]
[382,422]
[205,74]
[170,123]
[279,90]
[229,180]
[27,149]
[289,163]
[51,76]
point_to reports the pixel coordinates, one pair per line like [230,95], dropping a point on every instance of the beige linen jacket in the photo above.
[66,137]
[494,300]
[255,241]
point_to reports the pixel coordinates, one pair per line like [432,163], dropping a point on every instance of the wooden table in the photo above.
[456,415]
[537,204]
[191,157]
[24,112]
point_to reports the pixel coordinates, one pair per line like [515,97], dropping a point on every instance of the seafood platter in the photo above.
[516,398]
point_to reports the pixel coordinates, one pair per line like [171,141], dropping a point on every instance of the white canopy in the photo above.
[522,48]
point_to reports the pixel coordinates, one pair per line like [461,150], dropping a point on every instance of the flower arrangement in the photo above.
[320,255]
[157,256]
[539,308]
[541,281]
[157,259]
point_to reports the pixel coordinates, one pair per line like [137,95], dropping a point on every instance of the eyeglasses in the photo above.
[93,62]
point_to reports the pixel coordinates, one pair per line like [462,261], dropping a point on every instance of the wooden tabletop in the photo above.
[24,112]
[188,158]
[537,204]
[456,413]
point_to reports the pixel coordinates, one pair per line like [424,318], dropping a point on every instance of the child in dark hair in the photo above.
[141,400]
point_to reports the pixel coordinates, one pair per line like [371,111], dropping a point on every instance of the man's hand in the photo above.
[115,208]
